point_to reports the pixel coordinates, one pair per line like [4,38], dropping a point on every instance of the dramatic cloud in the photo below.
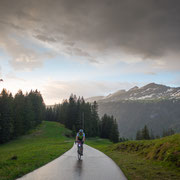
[92,29]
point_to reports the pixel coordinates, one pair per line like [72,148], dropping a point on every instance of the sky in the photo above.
[88,48]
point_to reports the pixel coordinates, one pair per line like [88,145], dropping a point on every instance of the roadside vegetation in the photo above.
[146,159]
[43,144]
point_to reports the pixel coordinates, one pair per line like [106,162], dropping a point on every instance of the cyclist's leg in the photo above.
[81,148]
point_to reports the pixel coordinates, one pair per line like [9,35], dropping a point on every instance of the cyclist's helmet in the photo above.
[81,130]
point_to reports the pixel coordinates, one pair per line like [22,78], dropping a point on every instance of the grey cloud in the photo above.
[11,25]
[45,38]
[77,52]
[22,58]
[147,28]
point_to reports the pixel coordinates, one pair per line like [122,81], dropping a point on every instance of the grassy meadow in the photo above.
[139,160]
[38,147]
[144,160]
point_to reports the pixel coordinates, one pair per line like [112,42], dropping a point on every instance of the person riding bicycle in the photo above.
[80,137]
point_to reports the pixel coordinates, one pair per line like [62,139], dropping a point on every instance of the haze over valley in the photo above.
[154,105]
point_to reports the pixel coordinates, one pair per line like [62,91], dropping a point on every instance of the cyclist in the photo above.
[80,137]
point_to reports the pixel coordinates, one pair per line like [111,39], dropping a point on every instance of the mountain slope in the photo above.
[95,98]
[155,105]
[133,115]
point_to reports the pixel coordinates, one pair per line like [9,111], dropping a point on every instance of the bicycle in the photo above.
[79,149]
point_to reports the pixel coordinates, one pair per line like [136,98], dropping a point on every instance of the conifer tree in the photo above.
[95,119]
[29,117]
[114,135]
[106,125]
[6,116]
[71,112]
[19,114]
[145,133]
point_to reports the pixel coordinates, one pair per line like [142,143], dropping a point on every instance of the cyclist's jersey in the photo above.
[80,136]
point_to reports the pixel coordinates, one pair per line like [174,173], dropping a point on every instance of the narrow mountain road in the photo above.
[94,166]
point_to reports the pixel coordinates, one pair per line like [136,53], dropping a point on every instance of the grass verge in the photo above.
[144,160]
[40,146]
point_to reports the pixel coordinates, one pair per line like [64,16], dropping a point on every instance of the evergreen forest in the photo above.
[77,114]
[20,113]
[23,112]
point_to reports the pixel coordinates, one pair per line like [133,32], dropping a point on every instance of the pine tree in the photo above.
[145,133]
[78,123]
[6,116]
[106,125]
[29,114]
[95,119]
[114,135]
[19,104]
[38,106]
[71,113]
[63,112]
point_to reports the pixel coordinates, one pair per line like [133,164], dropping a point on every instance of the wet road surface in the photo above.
[94,166]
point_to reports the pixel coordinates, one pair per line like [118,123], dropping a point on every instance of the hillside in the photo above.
[133,115]
[166,149]
[145,160]
[33,150]
[155,105]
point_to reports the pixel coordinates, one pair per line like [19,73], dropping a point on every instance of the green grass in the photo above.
[98,143]
[40,146]
[144,160]
[165,149]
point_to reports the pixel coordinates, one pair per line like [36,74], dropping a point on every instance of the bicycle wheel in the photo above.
[79,153]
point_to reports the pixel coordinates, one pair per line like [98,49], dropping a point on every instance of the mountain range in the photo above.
[148,92]
[154,105]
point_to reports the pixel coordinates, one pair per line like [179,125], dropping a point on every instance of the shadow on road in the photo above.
[79,167]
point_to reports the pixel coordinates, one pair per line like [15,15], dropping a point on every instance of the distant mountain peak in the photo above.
[134,88]
[154,85]
[147,92]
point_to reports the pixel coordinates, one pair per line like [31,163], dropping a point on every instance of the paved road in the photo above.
[94,166]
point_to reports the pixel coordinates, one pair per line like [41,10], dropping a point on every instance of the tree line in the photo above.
[20,113]
[75,114]
[109,128]
[145,134]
